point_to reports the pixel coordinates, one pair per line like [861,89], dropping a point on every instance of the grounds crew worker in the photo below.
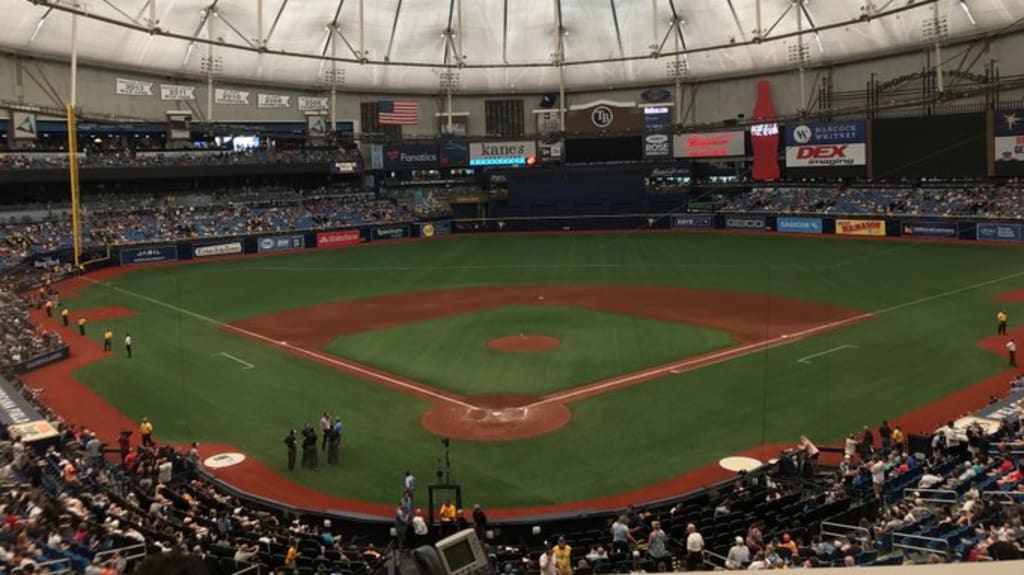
[1011,349]
[289,442]
[1001,317]
[108,339]
[128,344]
[81,326]
[146,431]
[49,308]
[64,313]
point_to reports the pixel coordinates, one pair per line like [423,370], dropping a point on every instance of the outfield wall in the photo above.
[936,229]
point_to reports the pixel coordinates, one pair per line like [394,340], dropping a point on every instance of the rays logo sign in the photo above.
[602,117]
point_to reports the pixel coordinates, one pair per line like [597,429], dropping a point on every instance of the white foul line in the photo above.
[282,344]
[756,347]
[827,351]
[702,360]
[245,364]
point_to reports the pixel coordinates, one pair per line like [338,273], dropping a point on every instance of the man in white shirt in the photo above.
[547,563]
[128,344]
[738,555]
[878,476]
[1011,349]
[694,548]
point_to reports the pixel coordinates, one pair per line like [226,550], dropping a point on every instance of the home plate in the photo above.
[739,463]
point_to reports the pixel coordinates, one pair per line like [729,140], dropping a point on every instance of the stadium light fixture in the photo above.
[967,10]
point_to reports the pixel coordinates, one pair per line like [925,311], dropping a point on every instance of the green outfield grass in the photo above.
[452,353]
[933,303]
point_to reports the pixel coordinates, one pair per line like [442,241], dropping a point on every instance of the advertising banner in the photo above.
[711,145]
[798,225]
[281,243]
[126,87]
[929,229]
[501,153]
[40,360]
[411,157]
[434,229]
[657,118]
[337,238]
[744,223]
[1009,130]
[827,144]
[694,221]
[225,249]
[389,232]
[177,92]
[272,101]
[999,232]
[312,103]
[657,146]
[860,227]
[454,153]
[14,408]
[148,254]
[34,431]
[231,97]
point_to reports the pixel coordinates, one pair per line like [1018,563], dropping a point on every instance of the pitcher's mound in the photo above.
[496,418]
[524,343]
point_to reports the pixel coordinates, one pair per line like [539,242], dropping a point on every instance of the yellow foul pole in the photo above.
[76,235]
[73,173]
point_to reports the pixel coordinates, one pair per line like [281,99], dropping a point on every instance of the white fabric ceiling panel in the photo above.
[514,40]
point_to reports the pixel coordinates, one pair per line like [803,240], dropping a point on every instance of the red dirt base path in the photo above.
[524,343]
[496,418]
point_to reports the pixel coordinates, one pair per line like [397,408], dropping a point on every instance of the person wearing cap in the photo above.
[562,553]
[739,555]
[146,432]
[1001,317]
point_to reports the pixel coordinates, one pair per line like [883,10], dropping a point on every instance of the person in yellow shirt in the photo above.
[1001,317]
[899,441]
[81,326]
[293,552]
[64,316]
[562,553]
[146,431]
[108,340]
[448,525]
[49,308]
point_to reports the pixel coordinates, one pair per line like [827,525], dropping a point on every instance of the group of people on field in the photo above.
[329,440]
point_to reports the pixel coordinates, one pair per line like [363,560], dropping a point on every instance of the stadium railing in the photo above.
[940,496]
[55,566]
[844,531]
[913,542]
[129,552]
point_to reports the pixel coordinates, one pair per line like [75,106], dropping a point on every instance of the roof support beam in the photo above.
[736,19]
[394,28]
[677,23]
[504,32]
[768,32]
[234,29]
[121,12]
[618,33]
[39,24]
[259,24]
[202,22]
[273,25]
[449,46]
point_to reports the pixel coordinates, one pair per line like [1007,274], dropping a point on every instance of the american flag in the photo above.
[398,112]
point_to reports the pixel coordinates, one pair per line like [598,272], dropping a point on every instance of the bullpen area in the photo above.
[571,372]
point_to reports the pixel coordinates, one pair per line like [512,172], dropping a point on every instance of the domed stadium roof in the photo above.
[502,45]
